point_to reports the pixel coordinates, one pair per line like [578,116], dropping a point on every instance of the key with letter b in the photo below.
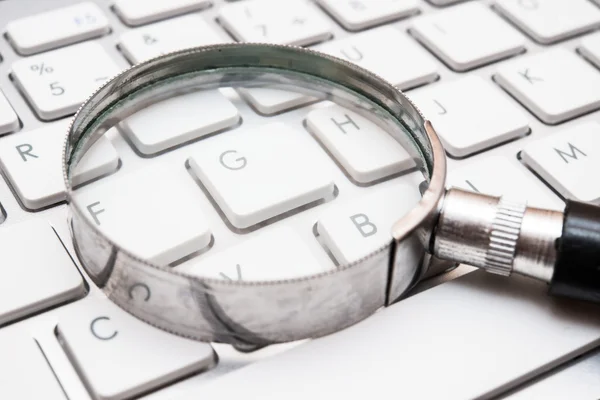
[569,161]
[354,230]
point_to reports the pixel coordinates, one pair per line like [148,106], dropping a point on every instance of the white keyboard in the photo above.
[512,86]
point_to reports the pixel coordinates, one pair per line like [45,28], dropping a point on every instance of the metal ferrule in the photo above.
[496,234]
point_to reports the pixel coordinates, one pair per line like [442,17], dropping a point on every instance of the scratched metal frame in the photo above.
[256,313]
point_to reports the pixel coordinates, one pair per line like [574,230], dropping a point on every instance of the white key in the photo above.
[443,2]
[32,163]
[38,274]
[154,212]
[175,121]
[468,36]
[264,257]
[272,101]
[355,229]
[555,85]
[9,121]
[471,115]
[500,176]
[548,21]
[361,14]
[371,50]
[56,28]
[294,22]
[163,37]
[24,371]
[57,82]
[257,174]
[120,357]
[134,12]
[366,151]
[569,161]
[590,48]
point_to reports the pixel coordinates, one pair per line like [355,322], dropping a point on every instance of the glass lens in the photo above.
[247,174]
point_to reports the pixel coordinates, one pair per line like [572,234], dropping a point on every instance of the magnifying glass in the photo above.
[163,234]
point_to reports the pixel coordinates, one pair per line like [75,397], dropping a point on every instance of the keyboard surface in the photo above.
[512,87]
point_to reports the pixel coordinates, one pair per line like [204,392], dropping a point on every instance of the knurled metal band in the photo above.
[504,235]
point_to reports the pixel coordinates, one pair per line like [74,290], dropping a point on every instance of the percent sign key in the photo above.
[41,69]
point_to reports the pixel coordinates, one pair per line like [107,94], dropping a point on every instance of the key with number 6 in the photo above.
[57,82]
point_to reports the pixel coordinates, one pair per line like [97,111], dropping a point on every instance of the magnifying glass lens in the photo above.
[248,175]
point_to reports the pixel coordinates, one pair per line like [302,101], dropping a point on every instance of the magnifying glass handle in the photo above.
[504,237]
[577,267]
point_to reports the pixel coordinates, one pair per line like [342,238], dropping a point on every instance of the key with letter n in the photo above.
[568,161]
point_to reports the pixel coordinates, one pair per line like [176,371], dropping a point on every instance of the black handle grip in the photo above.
[577,269]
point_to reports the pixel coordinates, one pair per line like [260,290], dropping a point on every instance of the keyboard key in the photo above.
[32,163]
[366,151]
[471,115]
[501,176]
[361,14]
[568,161]
[549,21]
[355,229]
[121,357]
[468,36]
[24,372]
[134,12]
[553,91]
[443,2]
[590,48]
[263,257]
[57,82]
[38,274]
[258,174]
[163,37]
[124,206]
[56,28]
[285,22]
[370,50]
[9,122]
[175,121]
[272,101]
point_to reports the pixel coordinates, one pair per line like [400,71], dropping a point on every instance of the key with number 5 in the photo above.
[57,82]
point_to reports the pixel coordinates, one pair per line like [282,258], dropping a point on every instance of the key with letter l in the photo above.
[353,230]
[56,28]
[254,175]
[569,161]
[57,82]
[121,357]
[553,91]
[37,272]
[468,36]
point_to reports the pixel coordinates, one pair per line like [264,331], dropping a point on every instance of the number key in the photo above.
[57,82]
[287,22]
